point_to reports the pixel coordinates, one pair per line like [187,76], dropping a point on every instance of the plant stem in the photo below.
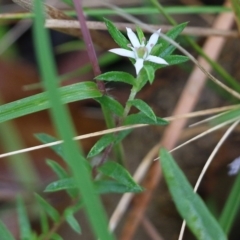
[128,106]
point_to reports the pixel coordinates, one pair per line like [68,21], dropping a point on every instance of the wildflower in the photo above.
[140,52]
[234,166]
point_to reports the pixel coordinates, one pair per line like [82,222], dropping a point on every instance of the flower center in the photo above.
[142,52]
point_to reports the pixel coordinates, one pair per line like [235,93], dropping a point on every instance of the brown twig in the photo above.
[194,31]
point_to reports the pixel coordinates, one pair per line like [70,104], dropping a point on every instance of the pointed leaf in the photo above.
[170,59]
[142,78]
[71,220]
[173,33]
[120,174]
[176,59]
[144,108]
[108,186]
[141,118]
[45,138]
[118,37]
[226,116]
[5,233]
[50,210]
[44,223]
[59,170]
[62,184]
[61,173]
[150,73]
[55,236]
[101,144]
[113,105]
[169,50]
[116,76]
[23,220]
[105,141]
[38,102]
[140,34]
[189,204]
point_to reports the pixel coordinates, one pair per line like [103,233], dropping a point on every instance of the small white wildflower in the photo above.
[234,167]
[140,52]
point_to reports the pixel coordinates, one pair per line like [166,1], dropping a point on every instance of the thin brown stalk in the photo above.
[193,31]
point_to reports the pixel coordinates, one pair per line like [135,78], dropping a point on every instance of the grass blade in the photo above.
[64,126]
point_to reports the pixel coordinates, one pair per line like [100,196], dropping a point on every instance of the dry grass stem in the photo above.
[193,31]
[118,129]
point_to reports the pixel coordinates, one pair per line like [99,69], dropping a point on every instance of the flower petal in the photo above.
[133,38]
[123,52]
[156,59]
[138,65]
[153,40]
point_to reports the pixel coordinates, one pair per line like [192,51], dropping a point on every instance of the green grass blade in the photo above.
[231,207]
[24,224]
[189,204]
[38,102]
[4,232]
[64,126]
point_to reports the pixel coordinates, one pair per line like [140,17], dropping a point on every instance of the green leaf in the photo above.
[61,173]
[173,33]
[231,207]
[227,116]
[142,78]
[170,59]
[144,108]
[43,222]
[62,184]
[4,232]
[176,59]
[101,144]
[55,236]
[101,186]
[118,37]
[45,138]
[71,220]
[59,170]
[24,224]
[116,76]
[169,50]
[120,174]
[141,118]
[68,2]
[140,34]
[106,140]
[50,210]
[108,186]
[189,204]
[38,102]
[150,73]
[113,105]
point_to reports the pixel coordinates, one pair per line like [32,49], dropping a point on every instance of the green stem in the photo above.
[117,149]
[128,106]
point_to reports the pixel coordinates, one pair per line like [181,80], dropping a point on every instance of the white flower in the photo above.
[140,52]
[234,166]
